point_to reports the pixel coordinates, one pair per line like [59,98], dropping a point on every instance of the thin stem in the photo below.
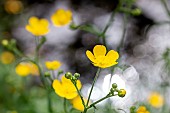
[93,104]
[122,110]
[36,49]
[97,74]
[166,6]
[124,33]
[53,74]
[106,28]
[65,105]
[79,94]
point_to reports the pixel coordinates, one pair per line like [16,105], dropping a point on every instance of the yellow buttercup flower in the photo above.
[22,69]
[77,103]
[37,27]
[99,58]
[7,57]
[52,65]
[61,17]
[142,109]
[65,88]
[156,100]
[13,6]
[27,68]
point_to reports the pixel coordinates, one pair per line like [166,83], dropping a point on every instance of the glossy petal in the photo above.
[61,17]
[90,56]
[58,88]
[99,50]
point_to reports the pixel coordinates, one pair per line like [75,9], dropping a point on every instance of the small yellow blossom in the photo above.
[142,109]
[22,69]
[156,100]
[5,42]
[52,65]
[99,58]
[13,6]
[77,103]
[61,17]
[65,88]
[37,27]
[7,57]
[27,68]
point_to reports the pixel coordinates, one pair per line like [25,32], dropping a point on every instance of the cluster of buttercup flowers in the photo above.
[69,86]
[40,27]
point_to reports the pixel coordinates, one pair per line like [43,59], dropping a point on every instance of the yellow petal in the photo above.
[58,88]
[70,95]
[112,55]
[44,22]
[77,103]
[99,50]
[79,84]
[33,20]
[90,56]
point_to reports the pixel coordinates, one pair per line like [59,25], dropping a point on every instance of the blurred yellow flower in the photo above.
[13,6]
[77,103]
[7,57]
[65,88]
[22,69]
[61,17]
[33,69]
[37,27]
[27,68]
[142,109]
[52,65]
[100,58]
[156,100]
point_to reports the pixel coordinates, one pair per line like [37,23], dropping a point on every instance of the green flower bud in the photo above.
[60,72]
[68,75]
[112,91]
[132,109]
[114,85]
[136,12]
[47,74]
[73,26]
[77,75]
[74,78]
[121,92]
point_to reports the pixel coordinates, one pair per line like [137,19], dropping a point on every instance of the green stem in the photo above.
[166,7]
[93,104]
[79,94]
[65,105]
[53,74]
[106,28]
[49,102]
[97,74]
[123,34]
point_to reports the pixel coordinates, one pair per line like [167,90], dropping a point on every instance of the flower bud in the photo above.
[68,75]
[60,72]
[136,12]
[112,91]
[132,109]
[73,26]
[121,92]
[77,75]
[74,78]
[47,74]
[114,85]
